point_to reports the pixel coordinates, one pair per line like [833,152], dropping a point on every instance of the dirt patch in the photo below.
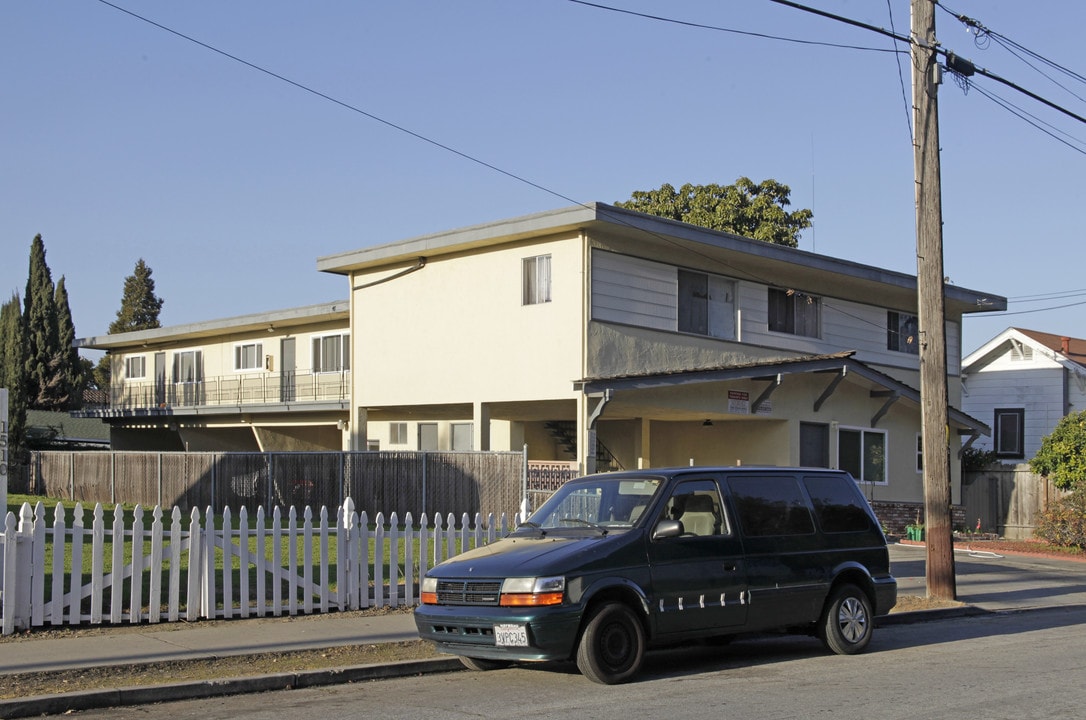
[158,673]
[913,603]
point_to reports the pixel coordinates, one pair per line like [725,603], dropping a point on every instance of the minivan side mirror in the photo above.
[667,529]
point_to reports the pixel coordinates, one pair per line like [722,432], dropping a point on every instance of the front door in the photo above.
[287,367]
[698,579]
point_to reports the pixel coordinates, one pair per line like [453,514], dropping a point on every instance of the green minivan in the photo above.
[615,563]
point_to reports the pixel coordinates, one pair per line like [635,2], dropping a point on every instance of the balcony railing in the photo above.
[263,388]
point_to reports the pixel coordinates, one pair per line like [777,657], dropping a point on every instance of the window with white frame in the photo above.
[794,313]
[332,353]
[1009,433]
[902,333]
[862,452]
[188,366]
[397,433]
[248,356]
[135,367]
[706,304]
[536,280]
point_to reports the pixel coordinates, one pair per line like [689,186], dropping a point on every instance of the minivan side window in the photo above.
[837,503]
[696,504]
[770,505]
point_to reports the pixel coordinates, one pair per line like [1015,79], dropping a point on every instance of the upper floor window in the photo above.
[706,305]
[901,333]
[188,366]
[135,367]
[794,313]
[536,280]
[332,353]
[248,356]
[862,453]
[1010,432]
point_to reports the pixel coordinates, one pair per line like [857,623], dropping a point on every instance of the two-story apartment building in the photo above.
[278,380]
[595,327]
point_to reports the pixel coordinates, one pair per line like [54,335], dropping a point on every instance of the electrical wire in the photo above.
[901,75]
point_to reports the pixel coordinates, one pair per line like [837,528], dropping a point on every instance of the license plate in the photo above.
[511,635]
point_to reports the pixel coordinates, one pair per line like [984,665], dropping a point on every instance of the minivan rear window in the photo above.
[770,505]
[837,503]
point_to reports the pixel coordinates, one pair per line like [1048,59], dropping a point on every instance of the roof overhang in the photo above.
[839,366]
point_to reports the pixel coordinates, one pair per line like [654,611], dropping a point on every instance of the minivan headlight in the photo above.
[533,591]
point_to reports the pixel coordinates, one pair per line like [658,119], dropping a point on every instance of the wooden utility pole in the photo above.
[930,297]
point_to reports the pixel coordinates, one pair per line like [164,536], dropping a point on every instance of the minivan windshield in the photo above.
[597,502]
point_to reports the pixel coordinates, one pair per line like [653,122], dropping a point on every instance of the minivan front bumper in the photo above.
[468,630]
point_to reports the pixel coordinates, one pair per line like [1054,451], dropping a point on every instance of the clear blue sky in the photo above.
[121,140]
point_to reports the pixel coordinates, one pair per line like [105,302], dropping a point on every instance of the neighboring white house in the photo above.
[1023,382]
[625,340]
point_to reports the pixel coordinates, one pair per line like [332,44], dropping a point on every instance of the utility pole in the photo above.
[941,582]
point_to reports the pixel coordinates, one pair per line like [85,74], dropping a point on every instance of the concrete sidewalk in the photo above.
[986,583]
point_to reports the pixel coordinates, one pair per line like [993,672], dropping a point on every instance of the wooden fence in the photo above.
[1008,499]
[400,482]
[167,566]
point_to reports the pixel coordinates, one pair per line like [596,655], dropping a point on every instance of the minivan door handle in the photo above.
[730,567]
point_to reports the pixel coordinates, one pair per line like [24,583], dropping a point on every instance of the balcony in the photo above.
[298,390]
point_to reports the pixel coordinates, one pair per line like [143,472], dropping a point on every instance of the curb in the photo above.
[145,695]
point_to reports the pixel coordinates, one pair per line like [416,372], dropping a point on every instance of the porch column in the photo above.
[643,442]
[481,419]
[358,439]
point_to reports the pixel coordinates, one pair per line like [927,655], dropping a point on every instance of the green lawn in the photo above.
[15,502]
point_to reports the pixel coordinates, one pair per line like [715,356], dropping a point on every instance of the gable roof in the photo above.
[1071,354]
[1074,349]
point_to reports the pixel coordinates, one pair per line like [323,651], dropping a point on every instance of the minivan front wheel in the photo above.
[612,645]
[847,621]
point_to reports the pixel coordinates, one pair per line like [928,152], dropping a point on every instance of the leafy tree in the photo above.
[139,311]
[13,374]
[1062,456]
[753,210]
[46,387]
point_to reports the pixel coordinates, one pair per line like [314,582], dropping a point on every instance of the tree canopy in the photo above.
[139,304]
[1062,457]
[48,384]
[753,210]
[13,373]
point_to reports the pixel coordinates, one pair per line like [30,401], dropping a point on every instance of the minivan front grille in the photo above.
[468,592]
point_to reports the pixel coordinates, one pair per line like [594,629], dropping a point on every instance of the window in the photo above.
[397,433]
[332,353]
[902,333]
[249,356]
[770,505]
[188,366]
[794,313]
[696,504]
[536,280]
[135,368]
[706,305]
[862,453]
[839,506]
[1010,435]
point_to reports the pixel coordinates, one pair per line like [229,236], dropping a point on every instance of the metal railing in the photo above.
[258,388]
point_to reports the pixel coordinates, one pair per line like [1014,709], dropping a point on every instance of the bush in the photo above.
[974,459]
[1063,522]
[1062,456]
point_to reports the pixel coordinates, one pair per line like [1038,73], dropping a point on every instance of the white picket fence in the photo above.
[218,567]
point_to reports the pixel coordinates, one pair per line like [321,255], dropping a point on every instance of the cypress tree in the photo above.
[71,367]
[45,388]
[13,374]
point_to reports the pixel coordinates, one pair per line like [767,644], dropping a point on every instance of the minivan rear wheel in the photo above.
[847,622]
[612,645]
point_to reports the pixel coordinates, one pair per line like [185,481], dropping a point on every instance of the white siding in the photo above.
[633,291]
